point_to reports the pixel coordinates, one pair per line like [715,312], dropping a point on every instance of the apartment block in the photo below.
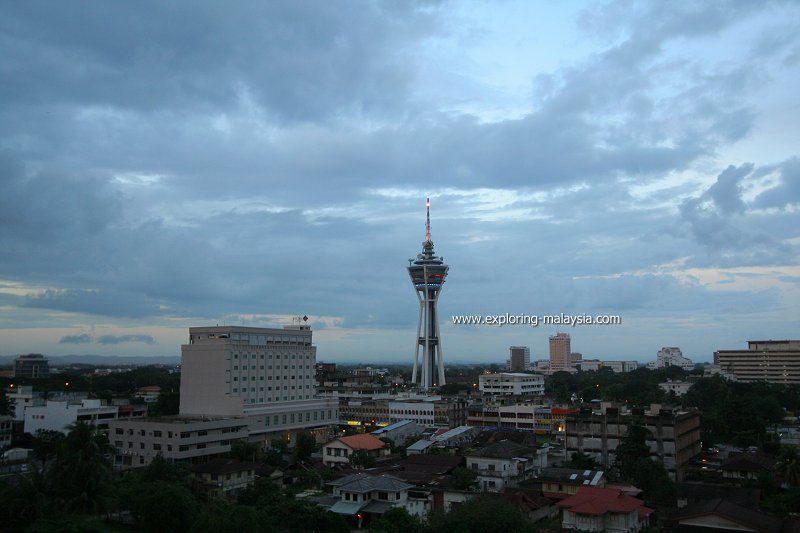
[771,361]
[674,434]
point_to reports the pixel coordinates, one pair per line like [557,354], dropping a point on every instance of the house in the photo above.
[721,514]
[149,393]
[367,497]
[531,504]
[603,509]
[421,446]
[505,464]
[225,477]
[743,466]
[560,483]
[399,432]
[460,436]
[340,450]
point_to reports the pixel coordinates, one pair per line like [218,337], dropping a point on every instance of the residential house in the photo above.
[505,464]
[723,515]
[367,497]
[560,483]
[746,466]
[604,509]
[340,450]
[225,477]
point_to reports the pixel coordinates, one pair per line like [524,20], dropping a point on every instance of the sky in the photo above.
[174,164]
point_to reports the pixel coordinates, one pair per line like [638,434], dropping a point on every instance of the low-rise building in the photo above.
[339,451]
[224,476]
[604,509]
[398,432]
[59,415]
[138,441]
[512,383]
[5,431]
[505,464]
[20,397]
[674,434]
[149,393]
[676,386]
[616,366]
[368,497]
[560,483]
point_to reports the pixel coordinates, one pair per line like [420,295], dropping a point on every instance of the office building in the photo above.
[266,375]
[519,359]
[511,383]
[771,361]
[31,366]
[560,351]
[670,356]
[428,273]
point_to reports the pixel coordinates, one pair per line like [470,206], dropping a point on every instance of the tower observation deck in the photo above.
[428,273]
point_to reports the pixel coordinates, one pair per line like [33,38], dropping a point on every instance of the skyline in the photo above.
[193,164]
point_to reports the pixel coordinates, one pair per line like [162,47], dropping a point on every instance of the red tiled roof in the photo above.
[362,442]
[598,501]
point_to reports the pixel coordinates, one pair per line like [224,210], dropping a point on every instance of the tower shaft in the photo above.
[428,273]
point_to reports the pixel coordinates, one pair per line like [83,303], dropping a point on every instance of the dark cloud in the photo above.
[203,161]
[119,339]
[83,338]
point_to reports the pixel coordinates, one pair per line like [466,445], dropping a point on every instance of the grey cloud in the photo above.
[119,339]
[105,302]
[83,338]
[787,191]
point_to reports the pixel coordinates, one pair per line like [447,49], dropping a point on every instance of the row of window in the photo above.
[270,355]
[269,378]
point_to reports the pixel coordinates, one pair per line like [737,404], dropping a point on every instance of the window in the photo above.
[119,431]
[156,446]
[183,448]
[157,433]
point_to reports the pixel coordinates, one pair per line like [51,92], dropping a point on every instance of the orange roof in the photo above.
[598,501]
[362,442]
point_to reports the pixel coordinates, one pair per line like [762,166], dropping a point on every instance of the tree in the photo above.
[305,446]
[361,459]
[581,461]
[81,468]
[463,478]
[244,451]
[636,466]
[484,512]
[395,520]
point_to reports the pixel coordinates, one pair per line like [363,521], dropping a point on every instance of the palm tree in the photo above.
[81,468]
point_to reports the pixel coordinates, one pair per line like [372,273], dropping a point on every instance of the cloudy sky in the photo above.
[175,164]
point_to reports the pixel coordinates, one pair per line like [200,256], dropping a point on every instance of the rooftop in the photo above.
[598,501]
[362,442]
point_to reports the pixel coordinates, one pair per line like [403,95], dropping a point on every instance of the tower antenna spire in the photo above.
[428,220]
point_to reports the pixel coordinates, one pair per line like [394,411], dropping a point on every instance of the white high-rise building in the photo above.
[670,356]
[263,374]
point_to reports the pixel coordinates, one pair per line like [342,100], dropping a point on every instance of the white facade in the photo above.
[678,387]
[263,374]
[20,397]
[616,366]
[57,415]
[420,412]
[670,356]
[516,384]
[138,441]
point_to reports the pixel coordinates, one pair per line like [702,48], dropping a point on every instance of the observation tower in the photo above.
[428,273]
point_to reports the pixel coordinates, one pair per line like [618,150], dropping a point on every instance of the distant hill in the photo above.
[103,360]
